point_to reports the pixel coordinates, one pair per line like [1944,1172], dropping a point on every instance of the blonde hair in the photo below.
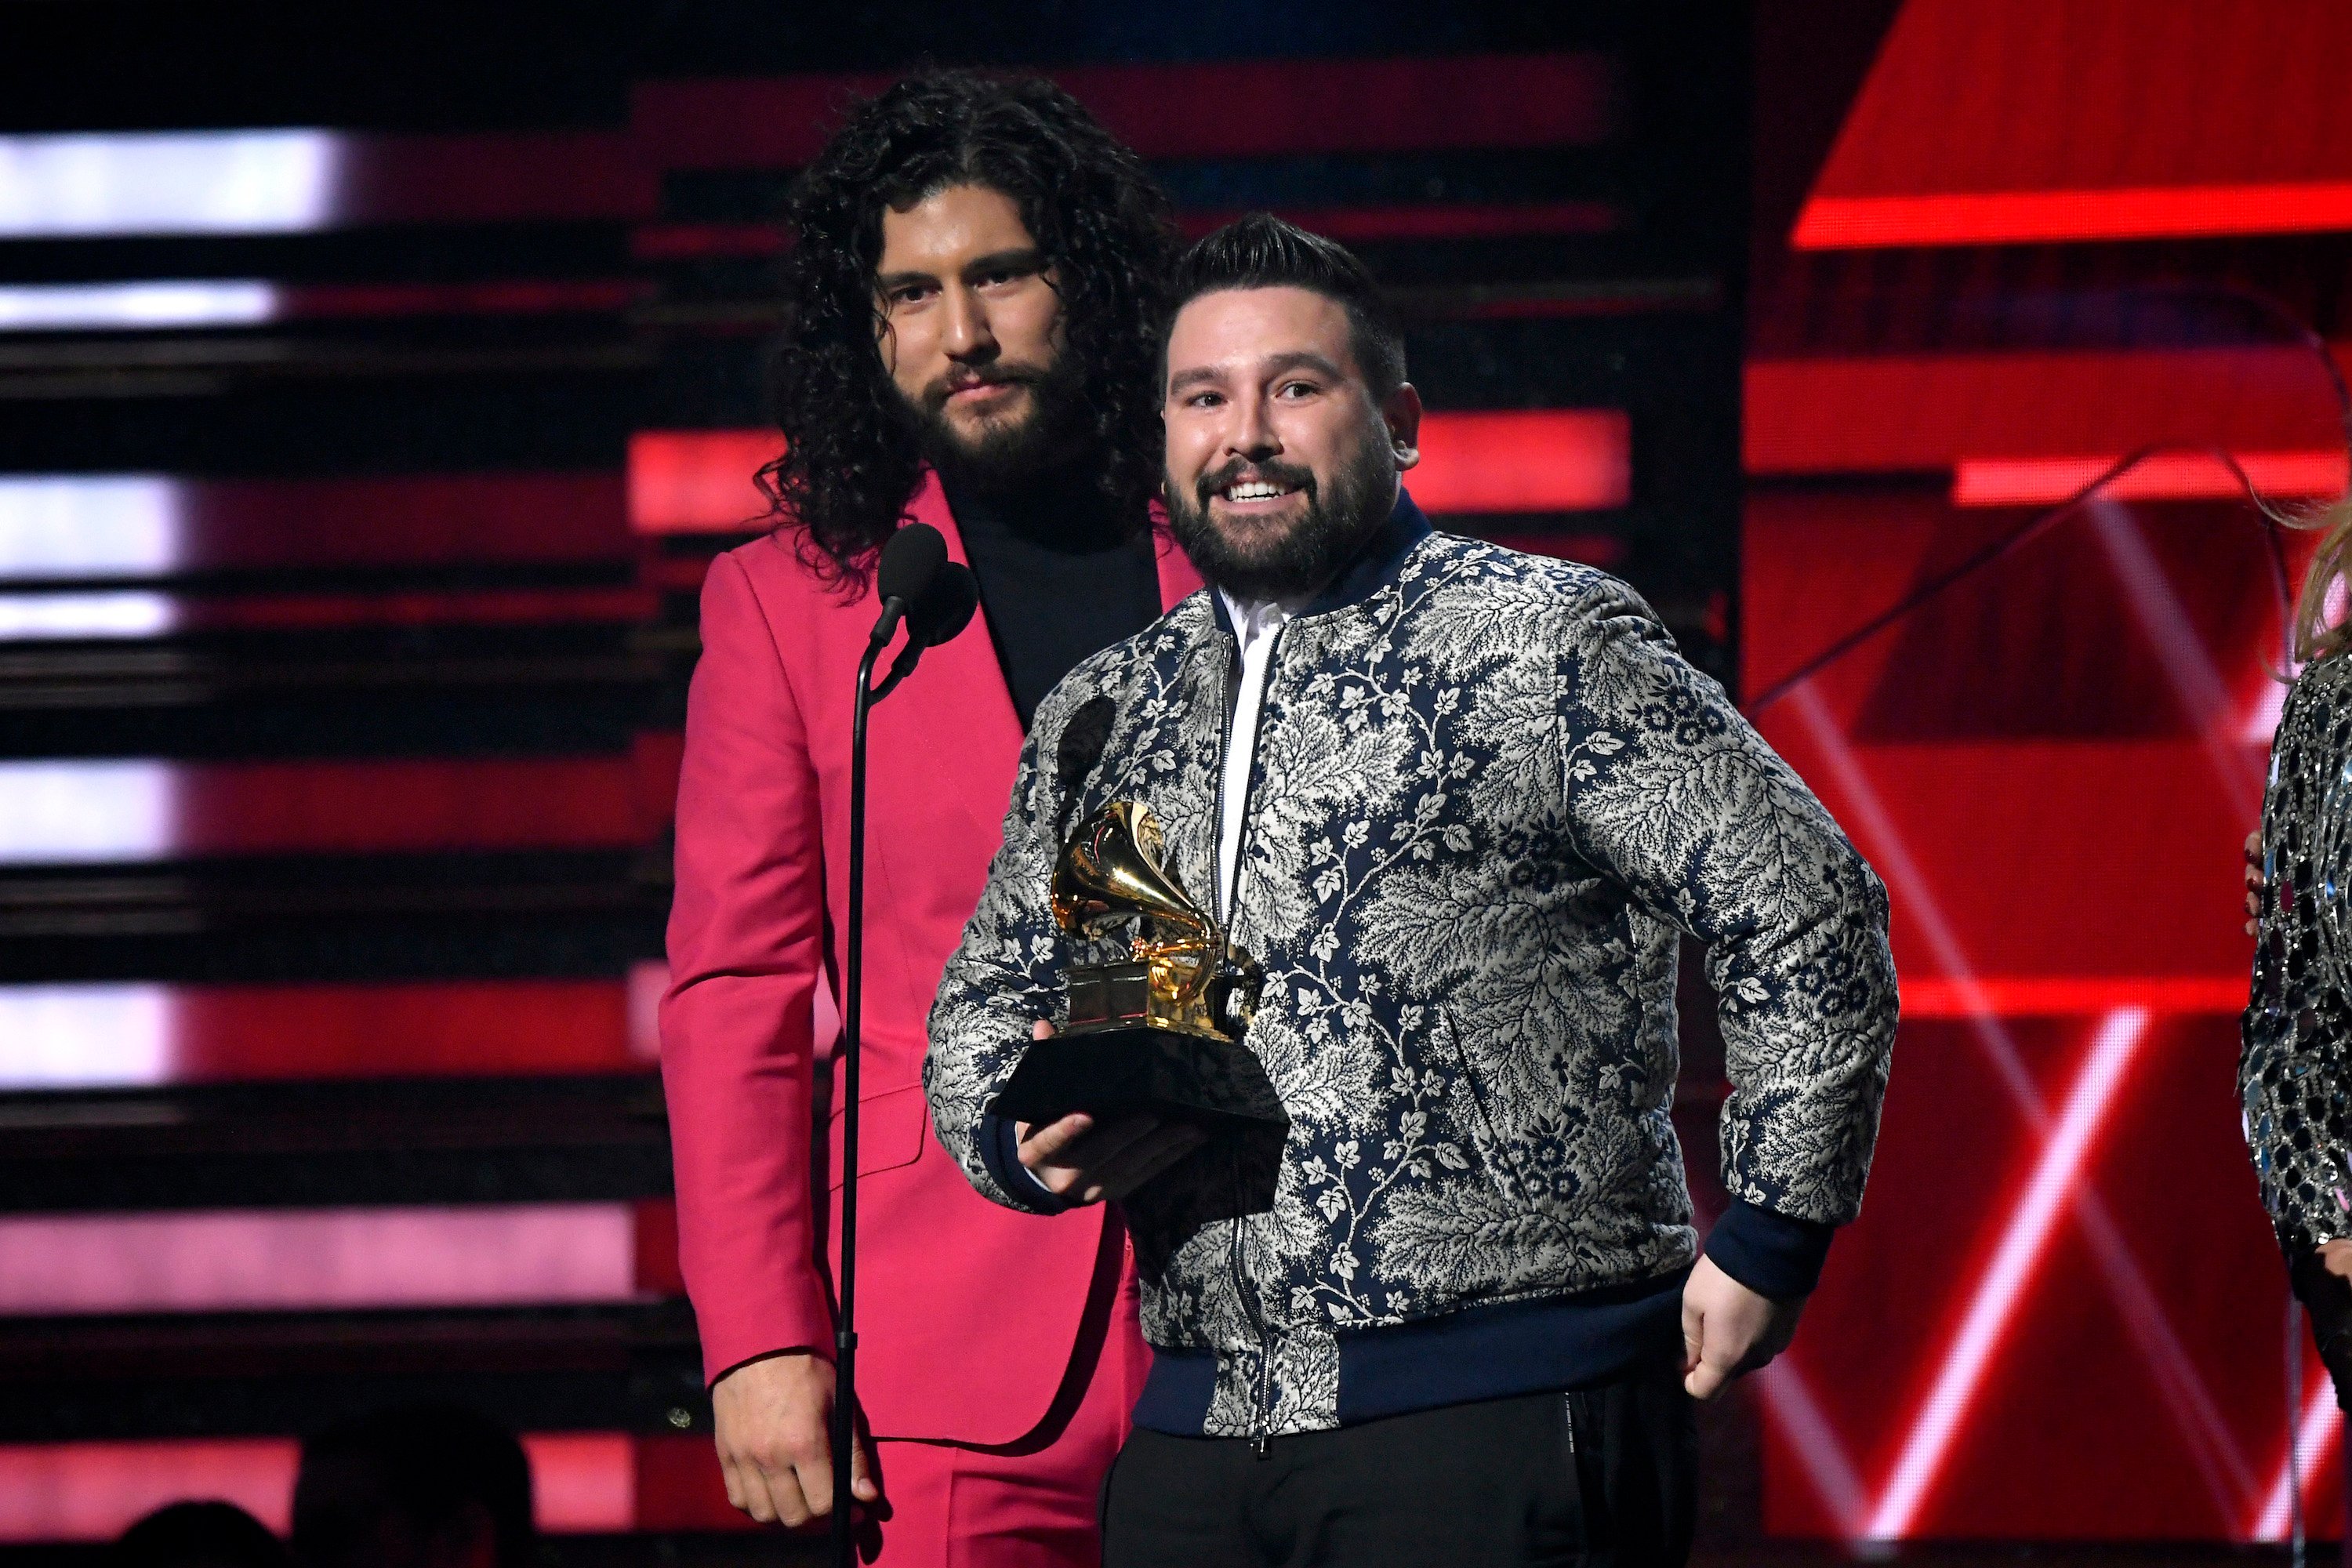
[2314,636]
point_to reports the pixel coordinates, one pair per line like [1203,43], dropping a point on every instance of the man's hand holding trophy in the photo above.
[1152,1049]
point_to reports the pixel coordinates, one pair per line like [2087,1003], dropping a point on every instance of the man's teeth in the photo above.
[1256,490]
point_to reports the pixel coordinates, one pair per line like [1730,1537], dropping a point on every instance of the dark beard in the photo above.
[1008,456]
[1303,559]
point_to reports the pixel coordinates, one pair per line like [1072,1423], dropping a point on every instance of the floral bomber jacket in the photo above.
[1488,799]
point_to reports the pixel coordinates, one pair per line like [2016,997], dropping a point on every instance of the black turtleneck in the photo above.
[1062,575]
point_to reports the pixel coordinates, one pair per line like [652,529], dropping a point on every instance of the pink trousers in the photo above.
[955,1508]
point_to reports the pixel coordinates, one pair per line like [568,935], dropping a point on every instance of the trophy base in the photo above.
[1216,1084]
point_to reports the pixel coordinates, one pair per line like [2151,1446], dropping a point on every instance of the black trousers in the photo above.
[1604,1476]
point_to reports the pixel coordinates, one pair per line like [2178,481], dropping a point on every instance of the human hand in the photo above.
[2254,888]
[1728,1330]
[774,1421]
[1080,1163]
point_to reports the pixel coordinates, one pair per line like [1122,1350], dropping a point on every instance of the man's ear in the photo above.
[1401,414]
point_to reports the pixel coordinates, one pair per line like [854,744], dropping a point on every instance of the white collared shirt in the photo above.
[1257,625]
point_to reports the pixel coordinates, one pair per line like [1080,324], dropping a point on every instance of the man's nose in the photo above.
[967,335]
[1253,433]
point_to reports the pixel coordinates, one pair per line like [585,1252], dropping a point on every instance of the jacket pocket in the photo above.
[890,1132]
[1467,1100]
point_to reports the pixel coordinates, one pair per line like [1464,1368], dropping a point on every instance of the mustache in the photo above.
[1278,473]
[936,396]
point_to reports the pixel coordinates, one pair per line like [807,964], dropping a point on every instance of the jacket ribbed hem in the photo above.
[1584,1341]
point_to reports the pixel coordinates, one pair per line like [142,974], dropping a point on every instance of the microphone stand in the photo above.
[844,1333]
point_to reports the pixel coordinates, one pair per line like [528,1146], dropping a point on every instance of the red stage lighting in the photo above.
[2165,476]
[2051,217]
[1510,460]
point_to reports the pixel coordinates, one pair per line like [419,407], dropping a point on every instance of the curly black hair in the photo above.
[853,458]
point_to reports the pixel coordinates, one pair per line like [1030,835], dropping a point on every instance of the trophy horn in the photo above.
[1110,871]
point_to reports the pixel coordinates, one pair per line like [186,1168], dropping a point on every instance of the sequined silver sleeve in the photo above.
[2295,1076]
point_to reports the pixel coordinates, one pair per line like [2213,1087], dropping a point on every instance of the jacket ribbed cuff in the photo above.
[1771,1254]
[1000,1150]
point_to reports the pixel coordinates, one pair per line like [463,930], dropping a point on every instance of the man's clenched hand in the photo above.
[775,1434]
[1729,1330]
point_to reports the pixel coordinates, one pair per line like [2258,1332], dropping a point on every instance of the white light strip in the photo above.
[89,525]
[317,1259]
[1805,1427]
[66,306]
[92,1036]
[2054,1174]
[2188,663]
[35,618]
[2317,1429]
[81,812]
[205,182]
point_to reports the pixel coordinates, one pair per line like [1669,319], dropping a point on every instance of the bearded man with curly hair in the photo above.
[974,290]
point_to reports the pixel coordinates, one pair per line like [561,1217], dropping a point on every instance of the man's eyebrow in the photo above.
[886,281]
[1303,359]
[1200,375]
[1029,258]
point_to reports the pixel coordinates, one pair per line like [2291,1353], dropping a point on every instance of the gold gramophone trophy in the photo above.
[1160,1032]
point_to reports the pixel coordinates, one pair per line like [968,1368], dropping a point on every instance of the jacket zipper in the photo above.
[1262,1419]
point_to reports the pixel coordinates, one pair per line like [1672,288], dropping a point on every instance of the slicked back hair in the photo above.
[1262,251]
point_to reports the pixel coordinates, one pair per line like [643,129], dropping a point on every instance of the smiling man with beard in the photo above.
[1462,805]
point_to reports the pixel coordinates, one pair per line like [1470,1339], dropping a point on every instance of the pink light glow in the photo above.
[2317,1432]
[2021,1250]
[296,1259]
[583,1483]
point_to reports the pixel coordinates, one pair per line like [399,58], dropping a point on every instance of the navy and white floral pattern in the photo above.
[1489,798]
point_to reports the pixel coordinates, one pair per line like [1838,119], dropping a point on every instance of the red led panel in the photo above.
[112,526]
[97,1034]
[512,176]
[1535,460]
[2051,767]
[1926,413]
[2069,995]
[1516,460]
[581,1483]
[2009,122]
[698,481]
[1226,108]
[2041,217]
[1466,220]
[1450,220]
[318,1259]
[2160,476]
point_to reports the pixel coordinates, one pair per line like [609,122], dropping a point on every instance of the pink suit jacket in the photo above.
[970,1317]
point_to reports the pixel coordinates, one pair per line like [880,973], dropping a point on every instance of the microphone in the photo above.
[911,562]
[945,607]
[920,586]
